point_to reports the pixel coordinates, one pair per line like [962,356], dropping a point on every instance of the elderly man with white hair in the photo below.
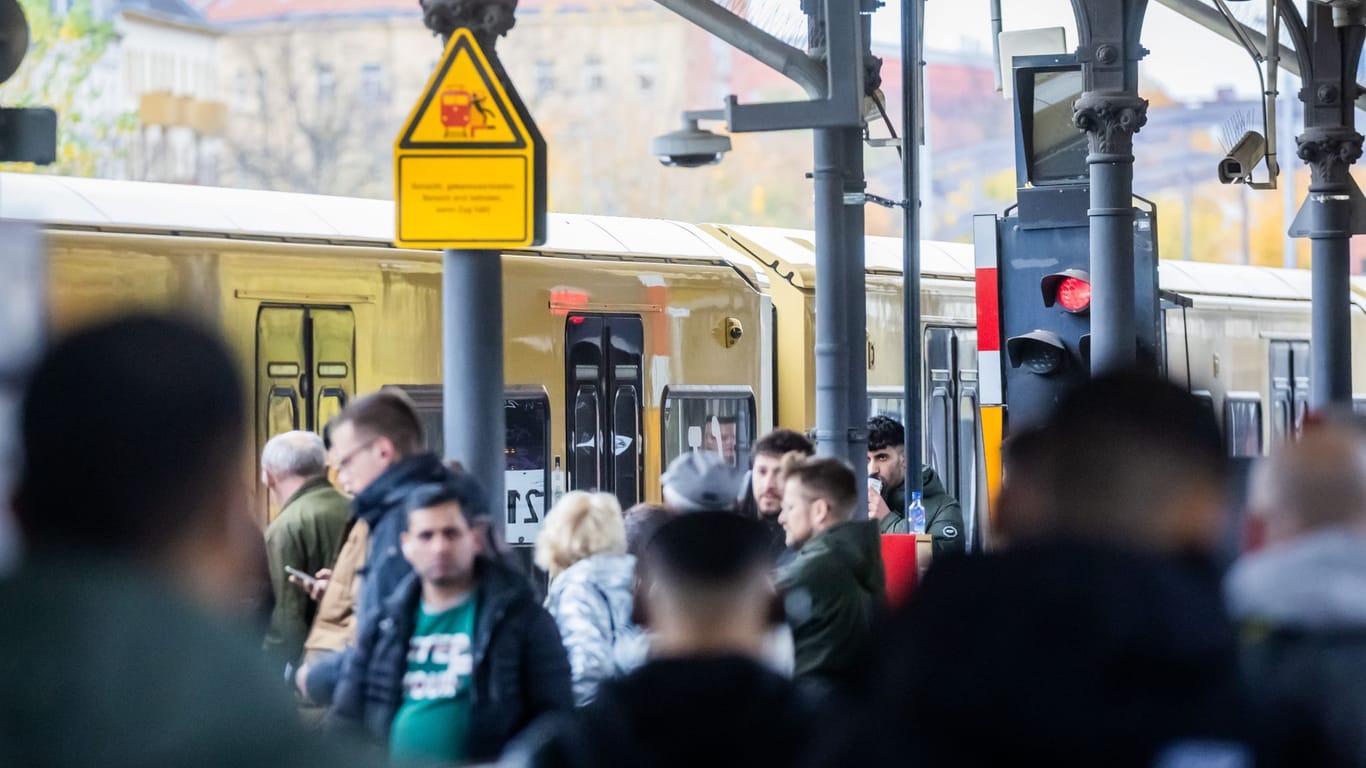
[306,535]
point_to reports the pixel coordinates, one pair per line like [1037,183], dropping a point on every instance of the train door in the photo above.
[603,388]
[305,367]
[1289,388]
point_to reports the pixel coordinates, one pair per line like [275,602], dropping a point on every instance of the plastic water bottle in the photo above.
[917,514]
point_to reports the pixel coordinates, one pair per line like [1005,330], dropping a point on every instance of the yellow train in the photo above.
[627,340]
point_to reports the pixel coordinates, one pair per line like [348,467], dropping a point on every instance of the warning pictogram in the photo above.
[464,105]
[469,164]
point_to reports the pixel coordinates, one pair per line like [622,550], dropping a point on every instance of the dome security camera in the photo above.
[689,147]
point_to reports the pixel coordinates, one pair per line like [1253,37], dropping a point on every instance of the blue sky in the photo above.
[1186,60]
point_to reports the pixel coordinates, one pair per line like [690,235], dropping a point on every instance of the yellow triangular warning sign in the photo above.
[464,105]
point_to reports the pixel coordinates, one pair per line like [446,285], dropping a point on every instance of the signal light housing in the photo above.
[1042,352]
[1070,289]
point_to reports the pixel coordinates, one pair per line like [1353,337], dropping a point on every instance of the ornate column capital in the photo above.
[487,19]
[1330,152]
[1110,118]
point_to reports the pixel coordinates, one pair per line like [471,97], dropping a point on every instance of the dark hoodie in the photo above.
[943,515]
[1074,654]
[831,590]
[380,505]
[716,711]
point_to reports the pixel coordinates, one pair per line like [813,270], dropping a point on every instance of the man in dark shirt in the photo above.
[705,697]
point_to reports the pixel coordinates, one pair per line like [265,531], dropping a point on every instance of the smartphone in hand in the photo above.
[308,581]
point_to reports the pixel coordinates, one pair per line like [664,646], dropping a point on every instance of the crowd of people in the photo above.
[743,622]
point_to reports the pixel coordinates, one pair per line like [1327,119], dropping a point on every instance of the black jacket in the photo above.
[520,667]
[380,505]
[1068,654]
[715,711]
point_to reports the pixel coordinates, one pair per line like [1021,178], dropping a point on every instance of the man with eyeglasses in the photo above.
[377,451]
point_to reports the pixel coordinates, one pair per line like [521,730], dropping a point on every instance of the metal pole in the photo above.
[1111,112]
[1331,322]
[855,309]
[1328,55]
[995,37]
[1113,330]
[472,368]
[832,355]
[912,413]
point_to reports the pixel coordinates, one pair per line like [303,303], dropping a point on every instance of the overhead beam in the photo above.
[1210,18]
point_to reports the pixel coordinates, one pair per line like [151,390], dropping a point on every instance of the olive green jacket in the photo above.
[831,589]
[307,535]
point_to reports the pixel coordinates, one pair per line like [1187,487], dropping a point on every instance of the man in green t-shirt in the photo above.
[462,656]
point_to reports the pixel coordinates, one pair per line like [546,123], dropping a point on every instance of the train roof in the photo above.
[104,205]
[1203,278]
[792,253]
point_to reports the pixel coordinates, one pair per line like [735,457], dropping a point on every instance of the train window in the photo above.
[886,403]
[332,370]
[282,411]
[330,402]
[626,445]
[1243,424]
[527,473]
[584,464]
[720,419]
[282,370]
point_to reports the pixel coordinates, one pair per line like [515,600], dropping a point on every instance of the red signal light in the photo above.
[1074,294]
[1070,288]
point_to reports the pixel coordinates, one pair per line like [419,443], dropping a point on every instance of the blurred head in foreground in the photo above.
[133,439]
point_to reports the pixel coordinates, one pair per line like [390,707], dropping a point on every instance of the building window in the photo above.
[545,76]
[646,72]
[372,82]
[327,83]
[594,77]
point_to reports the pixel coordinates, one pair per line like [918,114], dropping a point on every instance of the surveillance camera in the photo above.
[1237,165]
[690,147]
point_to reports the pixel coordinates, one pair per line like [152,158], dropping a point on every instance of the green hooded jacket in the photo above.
[943,515]
[831,588]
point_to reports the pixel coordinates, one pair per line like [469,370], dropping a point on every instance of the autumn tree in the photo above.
[60,71]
